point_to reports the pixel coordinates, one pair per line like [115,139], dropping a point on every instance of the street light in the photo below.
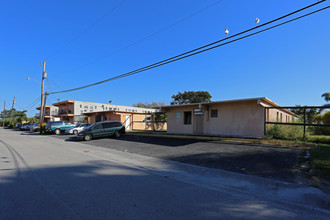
[29,78]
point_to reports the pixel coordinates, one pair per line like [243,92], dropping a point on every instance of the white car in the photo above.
[76,129]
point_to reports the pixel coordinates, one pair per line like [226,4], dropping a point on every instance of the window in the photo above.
[112,124]
[214,113]
[80,106]
[98,126]
[108,125]
[95,107]
[187,118]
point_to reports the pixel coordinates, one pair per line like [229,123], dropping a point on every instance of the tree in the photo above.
[20,115]
[148,105]
[310,113]
[326,96]
[188,97]
[6,113]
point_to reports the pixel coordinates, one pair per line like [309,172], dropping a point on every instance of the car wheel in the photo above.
[117,134]
[57,131]
[88,137]
[75,132]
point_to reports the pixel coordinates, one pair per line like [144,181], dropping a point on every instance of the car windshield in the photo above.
[78,125]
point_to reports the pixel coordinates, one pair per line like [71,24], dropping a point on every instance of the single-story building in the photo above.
[131,120]
[232,118]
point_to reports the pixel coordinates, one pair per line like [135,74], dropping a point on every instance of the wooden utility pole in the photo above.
[11,111]
[44,75]
[4,114]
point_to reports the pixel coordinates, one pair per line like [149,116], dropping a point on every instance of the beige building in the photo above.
[73,111]
[50,113]
[131,120]
[233,118]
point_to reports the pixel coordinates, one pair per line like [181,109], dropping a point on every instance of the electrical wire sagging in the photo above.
[208,47]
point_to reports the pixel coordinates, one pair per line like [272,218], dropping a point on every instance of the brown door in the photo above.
[198,124]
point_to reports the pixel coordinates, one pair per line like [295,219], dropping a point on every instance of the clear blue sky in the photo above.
[290,64]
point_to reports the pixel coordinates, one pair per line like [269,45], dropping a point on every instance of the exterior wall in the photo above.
[73,111]
[175,124]
[239,119]
[243,119]
[50,111]
[97,107]
[278,115]
[137,121]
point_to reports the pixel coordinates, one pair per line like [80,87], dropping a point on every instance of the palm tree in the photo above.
[19,115]
[326,96]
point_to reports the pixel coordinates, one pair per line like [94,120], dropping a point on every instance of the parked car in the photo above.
[76,129]
[102,129]
[34,127]
[25,126]
[57,126]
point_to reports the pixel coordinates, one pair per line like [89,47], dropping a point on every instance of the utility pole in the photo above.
[11,111]
[4,114]
[44,75]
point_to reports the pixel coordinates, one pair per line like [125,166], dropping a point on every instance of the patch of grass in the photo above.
[285,132]
[266,141]
[320,160]
[322,139]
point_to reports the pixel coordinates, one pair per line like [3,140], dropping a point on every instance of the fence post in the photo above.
[304,123]
[264,121]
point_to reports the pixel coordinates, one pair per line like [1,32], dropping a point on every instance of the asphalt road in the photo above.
[276,162]
[47,178]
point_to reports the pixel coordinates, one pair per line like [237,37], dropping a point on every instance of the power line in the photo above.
[150,35]
[75,98]
[198,50]
[88,28]
[31,105]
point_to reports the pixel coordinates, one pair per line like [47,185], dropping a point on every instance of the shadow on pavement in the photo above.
[100,190]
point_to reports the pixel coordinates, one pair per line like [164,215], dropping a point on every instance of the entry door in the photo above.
[128,122]
[198,124]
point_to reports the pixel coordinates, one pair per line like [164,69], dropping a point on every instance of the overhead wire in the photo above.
[88,28]
[150,35]
[198,50]
[33,104]
[75,98]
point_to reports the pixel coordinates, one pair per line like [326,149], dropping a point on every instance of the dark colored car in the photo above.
[102,129]
[25,126]
[34,127]
[57,126]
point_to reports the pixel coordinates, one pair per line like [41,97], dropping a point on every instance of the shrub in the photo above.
[285,132]
[325,119]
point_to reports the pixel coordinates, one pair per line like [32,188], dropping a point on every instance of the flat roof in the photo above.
[223,101]
[115,111]
[63,102]
[264,99]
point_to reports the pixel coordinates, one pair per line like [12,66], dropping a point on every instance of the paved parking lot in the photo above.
[262,160]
